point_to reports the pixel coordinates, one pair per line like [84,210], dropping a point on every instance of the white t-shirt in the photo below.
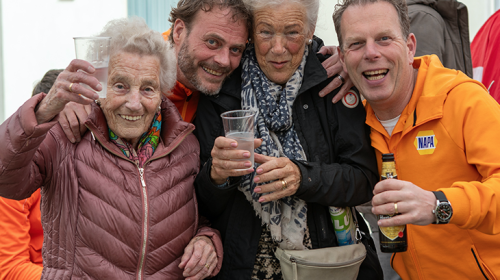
[389,124]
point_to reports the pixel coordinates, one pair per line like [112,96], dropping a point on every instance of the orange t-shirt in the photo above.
[21,238]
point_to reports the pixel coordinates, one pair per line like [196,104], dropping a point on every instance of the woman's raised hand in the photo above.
[67,88]
[284,177]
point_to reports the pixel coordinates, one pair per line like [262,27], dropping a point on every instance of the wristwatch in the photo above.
[443,211]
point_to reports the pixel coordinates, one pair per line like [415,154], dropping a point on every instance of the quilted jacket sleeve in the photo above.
[23,167]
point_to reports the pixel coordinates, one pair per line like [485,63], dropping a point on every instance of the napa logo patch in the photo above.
[426,142]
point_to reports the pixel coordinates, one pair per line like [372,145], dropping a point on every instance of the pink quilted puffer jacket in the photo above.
[103,217]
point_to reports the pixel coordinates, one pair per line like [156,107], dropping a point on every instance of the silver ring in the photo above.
[341,78]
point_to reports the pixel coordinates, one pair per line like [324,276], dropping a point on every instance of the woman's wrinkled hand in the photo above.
[229,161]
[67,88]
[199,259]
[333,67]
[284,174]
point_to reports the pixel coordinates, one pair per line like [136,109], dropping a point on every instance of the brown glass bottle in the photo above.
[392,239]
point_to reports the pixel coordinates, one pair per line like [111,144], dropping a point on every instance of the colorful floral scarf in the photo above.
[147,145]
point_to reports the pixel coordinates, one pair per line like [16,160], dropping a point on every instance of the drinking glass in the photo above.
[96,51]
[239,125]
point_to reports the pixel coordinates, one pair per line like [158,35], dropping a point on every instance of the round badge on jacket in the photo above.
[351,99]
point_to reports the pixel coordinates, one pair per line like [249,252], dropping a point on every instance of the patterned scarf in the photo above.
[147,145]
[286,217]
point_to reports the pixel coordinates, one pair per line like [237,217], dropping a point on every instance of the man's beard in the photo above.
[189,69]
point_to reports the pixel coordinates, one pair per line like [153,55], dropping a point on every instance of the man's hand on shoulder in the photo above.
[334,67]
[72,120]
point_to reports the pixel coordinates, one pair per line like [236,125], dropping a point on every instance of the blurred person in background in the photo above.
[486,57]
[120,203]
[21,231]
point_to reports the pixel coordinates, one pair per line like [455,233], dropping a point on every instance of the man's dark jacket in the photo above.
[341,169]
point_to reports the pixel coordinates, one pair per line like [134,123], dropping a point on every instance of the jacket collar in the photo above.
[173,128]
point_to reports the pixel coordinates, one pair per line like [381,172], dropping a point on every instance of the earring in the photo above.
[309,41]
[249,40]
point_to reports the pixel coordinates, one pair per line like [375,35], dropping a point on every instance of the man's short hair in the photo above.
[399,5]
[186,11]
[47,81]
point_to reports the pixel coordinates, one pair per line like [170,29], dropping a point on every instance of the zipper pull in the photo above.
[141,171]
[294,268]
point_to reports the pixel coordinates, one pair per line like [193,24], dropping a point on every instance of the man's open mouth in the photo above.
[375,75]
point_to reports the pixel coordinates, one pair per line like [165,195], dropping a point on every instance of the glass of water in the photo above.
[96,51]
[239,125]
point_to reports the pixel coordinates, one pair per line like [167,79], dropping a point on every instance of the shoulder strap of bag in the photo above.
[358,231]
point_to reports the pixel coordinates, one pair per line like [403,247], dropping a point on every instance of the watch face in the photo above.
[444,212]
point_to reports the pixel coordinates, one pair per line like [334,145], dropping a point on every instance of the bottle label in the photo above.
[388,171]
[391,232]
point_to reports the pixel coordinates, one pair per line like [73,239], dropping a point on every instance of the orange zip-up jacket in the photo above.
[448,139]
[21,238]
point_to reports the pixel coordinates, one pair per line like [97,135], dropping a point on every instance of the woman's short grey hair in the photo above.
[133,35]
[312,8]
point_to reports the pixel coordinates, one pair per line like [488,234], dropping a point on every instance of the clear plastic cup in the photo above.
[239,125]
[96,51]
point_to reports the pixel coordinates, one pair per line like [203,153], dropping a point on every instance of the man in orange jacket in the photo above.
[21,237]
[433,119]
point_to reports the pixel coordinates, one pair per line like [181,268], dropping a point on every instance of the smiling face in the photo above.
[133,95]
[210,50]
[280,39]
[376,56]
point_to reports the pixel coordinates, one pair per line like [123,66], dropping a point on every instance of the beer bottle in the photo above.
[392,239]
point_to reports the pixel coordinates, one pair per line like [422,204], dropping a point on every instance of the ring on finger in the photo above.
[396,208]
[284,184]
[341,78]
[71,87]
[207,266]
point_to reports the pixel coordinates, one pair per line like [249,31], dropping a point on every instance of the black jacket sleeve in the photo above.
[341,169]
